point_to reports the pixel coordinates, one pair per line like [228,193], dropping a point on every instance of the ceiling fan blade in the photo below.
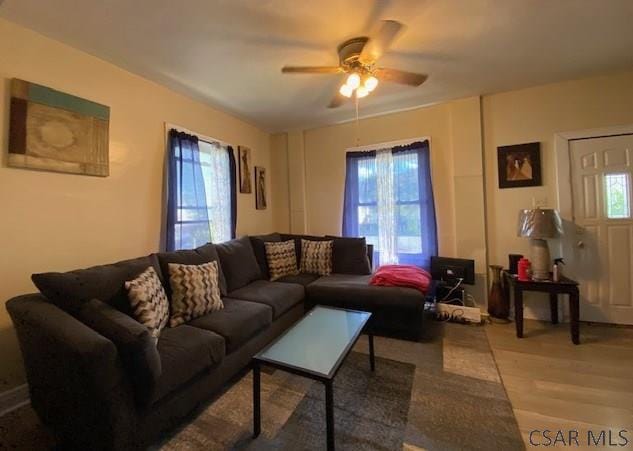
[400,76]
[311,70]
[337,101]
[381,41]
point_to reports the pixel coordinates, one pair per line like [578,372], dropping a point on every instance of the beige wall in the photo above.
[59,221]
[454,130]
[537,114]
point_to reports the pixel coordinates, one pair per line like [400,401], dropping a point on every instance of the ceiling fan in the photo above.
[357,58]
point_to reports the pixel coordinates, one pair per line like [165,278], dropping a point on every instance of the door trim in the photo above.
[563,176]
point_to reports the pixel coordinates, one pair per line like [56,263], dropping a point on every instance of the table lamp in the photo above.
[538,225]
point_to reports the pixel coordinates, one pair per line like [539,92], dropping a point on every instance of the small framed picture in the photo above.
[260,188]
[519,165]
[244,169]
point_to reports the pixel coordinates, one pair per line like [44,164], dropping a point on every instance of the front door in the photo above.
[602,255]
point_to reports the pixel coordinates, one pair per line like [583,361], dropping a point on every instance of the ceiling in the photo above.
[228,53]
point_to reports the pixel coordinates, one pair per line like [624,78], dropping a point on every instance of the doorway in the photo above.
[599,240]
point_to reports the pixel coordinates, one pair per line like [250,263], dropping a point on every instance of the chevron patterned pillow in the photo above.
[316,257]
[195,291]
[282,259]
[150,306]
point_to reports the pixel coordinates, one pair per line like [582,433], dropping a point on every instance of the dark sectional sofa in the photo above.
[100,381]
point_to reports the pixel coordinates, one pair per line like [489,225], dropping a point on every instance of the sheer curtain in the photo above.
[201,192]
[389,200]
[386,207]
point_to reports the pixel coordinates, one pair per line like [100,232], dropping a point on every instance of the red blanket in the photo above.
[402,276]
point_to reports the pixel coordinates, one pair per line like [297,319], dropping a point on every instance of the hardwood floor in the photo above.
[553,384]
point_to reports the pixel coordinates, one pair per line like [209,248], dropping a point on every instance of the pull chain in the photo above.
[357,123]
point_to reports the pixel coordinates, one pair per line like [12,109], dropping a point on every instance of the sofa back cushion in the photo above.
[259,247]
[70,290]
[199,256]
[350,256]
[238,262]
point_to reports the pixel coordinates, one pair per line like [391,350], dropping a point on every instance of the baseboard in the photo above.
[13,399]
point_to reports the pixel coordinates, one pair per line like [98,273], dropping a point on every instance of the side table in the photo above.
[563,286]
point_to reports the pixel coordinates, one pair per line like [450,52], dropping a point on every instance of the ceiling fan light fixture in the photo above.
[353,81]
[361,92]
[346,90]
[370,83]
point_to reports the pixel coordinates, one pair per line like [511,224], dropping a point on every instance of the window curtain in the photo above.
[187,213]
[389,200]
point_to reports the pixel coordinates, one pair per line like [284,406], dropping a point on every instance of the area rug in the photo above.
[441,394]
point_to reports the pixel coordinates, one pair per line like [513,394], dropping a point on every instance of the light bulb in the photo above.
[353,81]
[361,91]
[371,83]
[346,91]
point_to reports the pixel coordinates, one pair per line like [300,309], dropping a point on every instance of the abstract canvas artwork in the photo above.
[53,131]
[519,165]
[244,161]
[260,188]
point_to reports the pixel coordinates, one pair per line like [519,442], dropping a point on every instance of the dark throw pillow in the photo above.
[69,290]
[349,256]
[238,262]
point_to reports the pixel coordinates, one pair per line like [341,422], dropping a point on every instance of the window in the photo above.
[389,200]
[201,192]
[617,189]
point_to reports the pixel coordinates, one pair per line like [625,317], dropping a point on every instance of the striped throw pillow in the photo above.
[150,306]
[316,257]
[282,259]
[195,291]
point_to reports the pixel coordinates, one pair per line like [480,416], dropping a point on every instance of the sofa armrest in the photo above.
[76,381]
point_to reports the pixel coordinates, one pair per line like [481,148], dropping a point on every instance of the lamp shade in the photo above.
[539,223]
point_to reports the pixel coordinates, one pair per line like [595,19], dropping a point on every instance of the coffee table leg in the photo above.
[329,414]
[553,306]
[257,420]
[372,362]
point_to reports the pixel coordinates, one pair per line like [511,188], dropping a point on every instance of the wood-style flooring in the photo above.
[553,384]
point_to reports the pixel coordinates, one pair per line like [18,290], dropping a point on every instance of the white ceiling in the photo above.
[229,52]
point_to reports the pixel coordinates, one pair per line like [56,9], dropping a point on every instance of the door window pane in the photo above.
[617,189]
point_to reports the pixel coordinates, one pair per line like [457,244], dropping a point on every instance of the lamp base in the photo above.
[540,259]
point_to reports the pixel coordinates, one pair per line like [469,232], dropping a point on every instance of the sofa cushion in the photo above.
[316,257]
[280,296]
[259,249]
[237,322]
[148,301]
[238,262]
[282,259]
[301,279]
[69,290]
[349,256]
[354,291]
[136,347]
[297,239]
[203,254]
[195,291]
[185,352]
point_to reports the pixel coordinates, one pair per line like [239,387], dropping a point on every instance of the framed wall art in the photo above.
[519,165]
